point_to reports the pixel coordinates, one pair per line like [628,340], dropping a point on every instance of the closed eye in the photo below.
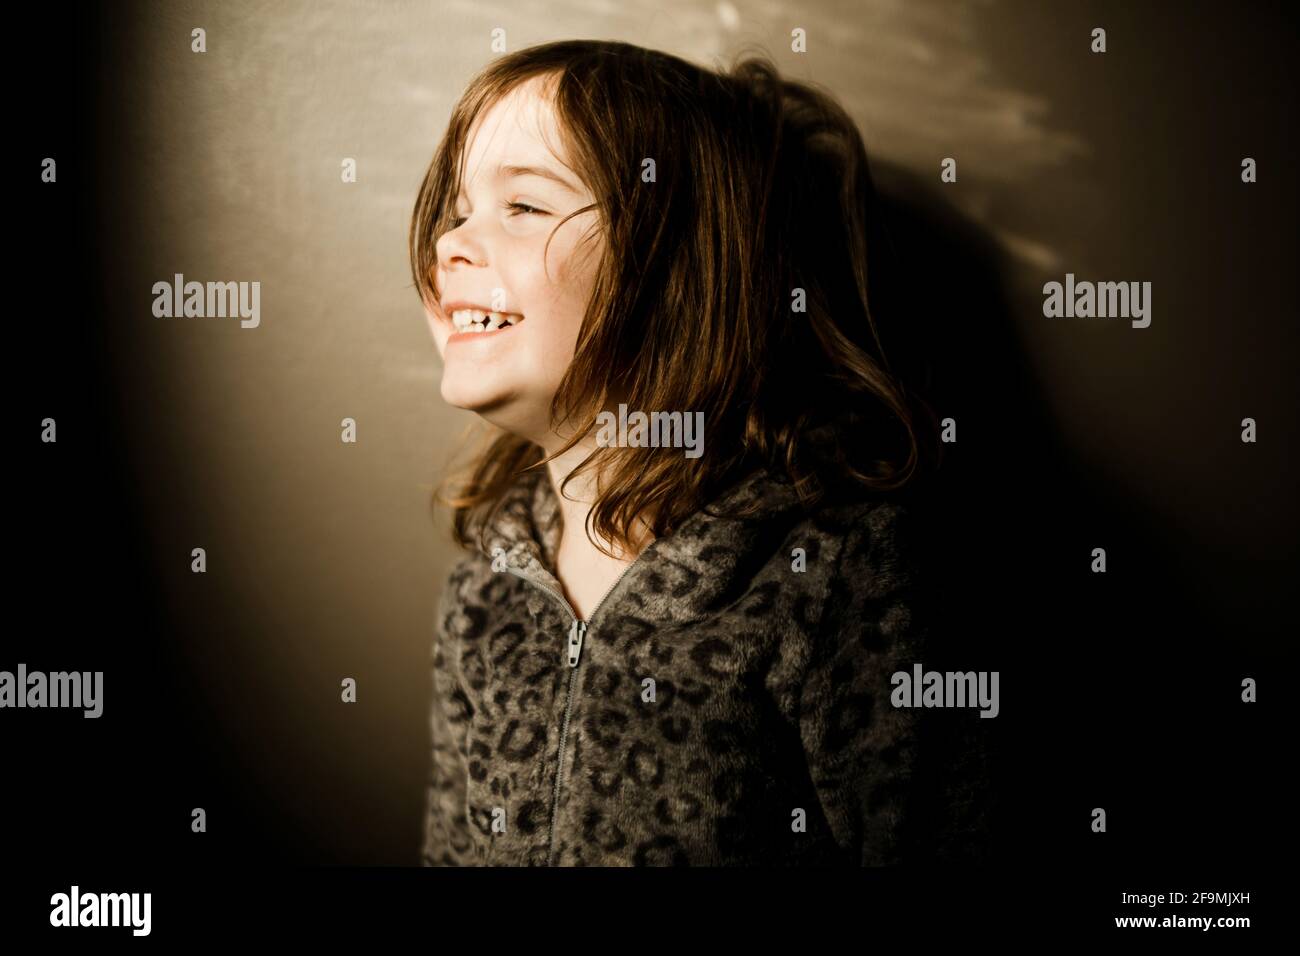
[525,208]
[522,209]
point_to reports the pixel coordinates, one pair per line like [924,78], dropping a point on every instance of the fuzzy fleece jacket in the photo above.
[727,703]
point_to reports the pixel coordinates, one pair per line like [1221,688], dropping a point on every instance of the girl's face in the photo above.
[493,261]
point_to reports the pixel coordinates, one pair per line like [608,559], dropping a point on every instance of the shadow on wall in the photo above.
[1006,527]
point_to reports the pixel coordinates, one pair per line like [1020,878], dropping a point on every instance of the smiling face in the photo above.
[516,190]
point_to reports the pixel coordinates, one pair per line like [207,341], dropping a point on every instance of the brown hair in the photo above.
[761,189]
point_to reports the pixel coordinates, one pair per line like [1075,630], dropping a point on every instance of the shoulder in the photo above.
[876,586]
[460,595]
[855,538]
[867,531]
[468,568]
[881,534]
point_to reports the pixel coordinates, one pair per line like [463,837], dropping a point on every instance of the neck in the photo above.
[578,498]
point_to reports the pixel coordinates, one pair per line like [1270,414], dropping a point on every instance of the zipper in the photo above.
[577,631]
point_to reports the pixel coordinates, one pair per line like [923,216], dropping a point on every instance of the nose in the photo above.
[459,247]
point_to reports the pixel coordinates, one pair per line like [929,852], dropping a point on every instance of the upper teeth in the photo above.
[476,320]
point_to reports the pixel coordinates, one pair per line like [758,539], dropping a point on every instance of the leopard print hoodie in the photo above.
[727,703]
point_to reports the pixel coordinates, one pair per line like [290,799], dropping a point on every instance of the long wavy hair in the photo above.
[760,204]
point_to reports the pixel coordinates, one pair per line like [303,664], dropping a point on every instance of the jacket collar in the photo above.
[705,564]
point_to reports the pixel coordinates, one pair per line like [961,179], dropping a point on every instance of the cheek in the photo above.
[439,333]
[555,351]
[566,289]
[554,296]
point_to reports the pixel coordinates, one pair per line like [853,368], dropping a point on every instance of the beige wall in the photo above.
[322,559]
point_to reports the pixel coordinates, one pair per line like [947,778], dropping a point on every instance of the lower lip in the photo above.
[471,336]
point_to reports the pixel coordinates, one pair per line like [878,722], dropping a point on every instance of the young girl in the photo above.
[666,647]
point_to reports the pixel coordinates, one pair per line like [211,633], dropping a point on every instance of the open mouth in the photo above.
[476,320]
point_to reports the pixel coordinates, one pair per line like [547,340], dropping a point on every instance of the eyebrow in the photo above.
[511,171]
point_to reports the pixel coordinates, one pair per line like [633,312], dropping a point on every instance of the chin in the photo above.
[472,397]
[508,412]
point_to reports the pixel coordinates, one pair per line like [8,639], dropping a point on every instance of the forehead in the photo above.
[517,135]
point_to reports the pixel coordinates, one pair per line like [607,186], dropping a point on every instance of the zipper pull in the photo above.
[576,631]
